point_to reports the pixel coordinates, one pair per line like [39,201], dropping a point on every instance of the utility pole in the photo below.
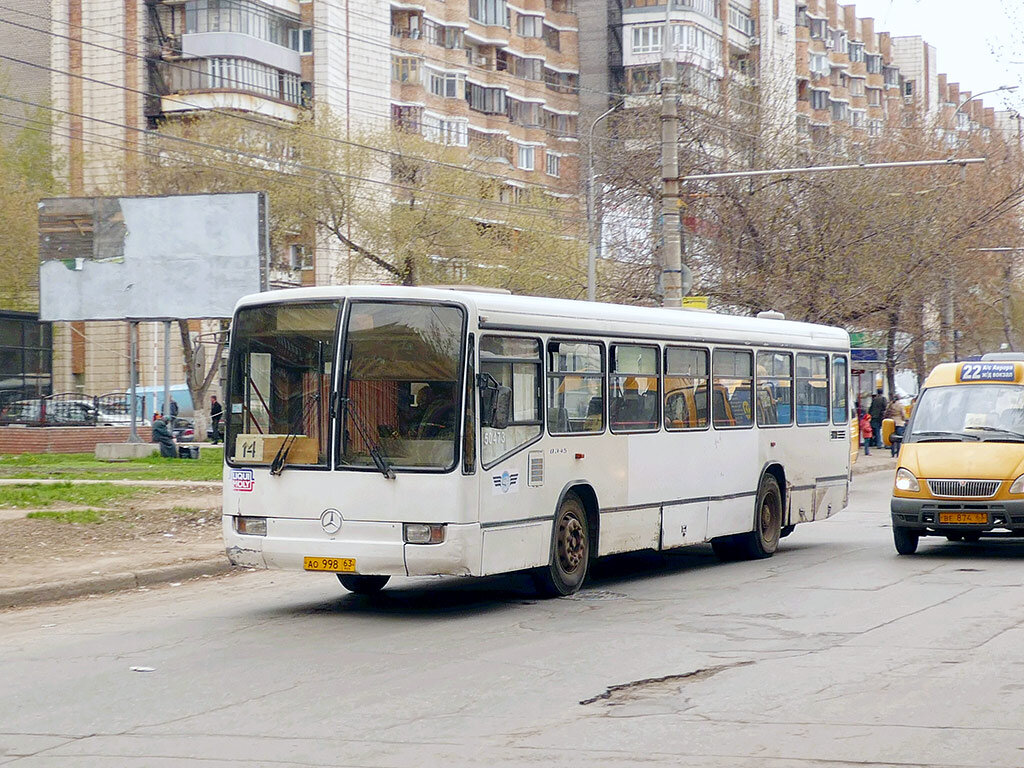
[671,249]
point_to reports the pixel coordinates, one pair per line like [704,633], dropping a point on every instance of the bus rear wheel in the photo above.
[362,585]
[570,551]
[764,539]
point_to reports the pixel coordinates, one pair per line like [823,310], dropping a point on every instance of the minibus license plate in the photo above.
[333,564]
[963,517]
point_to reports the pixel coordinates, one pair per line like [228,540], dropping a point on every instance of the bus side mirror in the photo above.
[495,402]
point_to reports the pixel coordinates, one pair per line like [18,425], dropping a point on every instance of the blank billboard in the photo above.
[150,258]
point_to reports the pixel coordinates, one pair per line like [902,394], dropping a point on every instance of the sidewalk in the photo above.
[168,533]
[878,461]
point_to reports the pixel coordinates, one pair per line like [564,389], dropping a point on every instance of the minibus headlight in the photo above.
[1017,486]
[905,481]
[422,533]
[252,526]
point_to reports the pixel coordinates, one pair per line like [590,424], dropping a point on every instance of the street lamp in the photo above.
[591,232]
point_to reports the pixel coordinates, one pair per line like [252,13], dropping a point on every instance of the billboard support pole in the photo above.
[167,368]
[133,348]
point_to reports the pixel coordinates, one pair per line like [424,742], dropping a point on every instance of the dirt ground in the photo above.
[159,526]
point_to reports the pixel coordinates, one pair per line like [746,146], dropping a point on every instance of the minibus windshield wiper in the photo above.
[942,435]
[379,459]
[1000,431]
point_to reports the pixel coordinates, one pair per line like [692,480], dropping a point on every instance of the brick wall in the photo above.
[63,439]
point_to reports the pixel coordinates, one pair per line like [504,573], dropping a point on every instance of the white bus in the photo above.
[375,431]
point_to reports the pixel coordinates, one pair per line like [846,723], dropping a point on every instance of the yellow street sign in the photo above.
[695,302]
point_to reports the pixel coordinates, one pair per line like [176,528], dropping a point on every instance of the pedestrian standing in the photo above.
[865,433]
[877,412]
[174,408]
[216,410]
[895,412]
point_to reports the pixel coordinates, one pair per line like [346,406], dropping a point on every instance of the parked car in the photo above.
[64,412]
[183,430]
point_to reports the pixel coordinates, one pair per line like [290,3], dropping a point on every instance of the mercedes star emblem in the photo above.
[331,520]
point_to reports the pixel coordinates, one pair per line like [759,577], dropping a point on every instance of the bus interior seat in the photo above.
[558,420]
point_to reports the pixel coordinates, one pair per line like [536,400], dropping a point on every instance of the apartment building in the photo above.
[501,80]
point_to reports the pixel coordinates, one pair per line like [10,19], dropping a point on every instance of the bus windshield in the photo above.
[970,411]
[402,384]
[281,366]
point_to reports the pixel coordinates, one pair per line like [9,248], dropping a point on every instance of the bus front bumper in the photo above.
[377,548]
[925,515]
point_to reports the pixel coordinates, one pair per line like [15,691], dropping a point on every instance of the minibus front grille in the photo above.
[963,489]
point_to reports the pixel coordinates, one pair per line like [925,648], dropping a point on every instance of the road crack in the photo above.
[626,691]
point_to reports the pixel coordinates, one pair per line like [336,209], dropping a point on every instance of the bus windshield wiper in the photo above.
[942,435]
[999,430]
[281,457]
[379,458]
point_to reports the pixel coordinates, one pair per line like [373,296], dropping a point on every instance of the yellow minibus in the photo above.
[961,463]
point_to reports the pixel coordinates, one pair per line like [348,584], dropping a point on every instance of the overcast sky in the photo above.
[976,41]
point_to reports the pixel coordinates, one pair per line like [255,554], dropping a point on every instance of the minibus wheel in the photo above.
[570,550]
[905,539]
[362,585]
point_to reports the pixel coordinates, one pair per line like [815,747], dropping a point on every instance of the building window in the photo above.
[839,110]
[300,257]
[819,98]
[525,113]
[493,13]
[245,17]
[707,7]
[819,29]
[856,86]
[840,42]
[253,77]
[26,355]
[530,26]
[488,100]
[856,52]
[857,118]
[524,157]
[740,21]
[454,132]
[874,96]
[551,39]
[562,82]
[448,85]
[892,76]
[405,69]
[552,163]
[301,40]
[874,128]
[908,88]
[647,39]
[405,118]
[819,65]
[874,63]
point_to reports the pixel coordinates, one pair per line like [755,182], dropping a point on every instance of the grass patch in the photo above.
[71,516]
[34,496]
[76,466]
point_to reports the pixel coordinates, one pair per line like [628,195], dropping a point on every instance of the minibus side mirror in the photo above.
[495,402]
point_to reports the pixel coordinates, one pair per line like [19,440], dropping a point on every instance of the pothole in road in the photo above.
[596,594]
[616,695]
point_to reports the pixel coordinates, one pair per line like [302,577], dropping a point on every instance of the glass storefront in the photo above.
[26,357]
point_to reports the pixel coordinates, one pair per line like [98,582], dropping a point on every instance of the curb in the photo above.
[35,594]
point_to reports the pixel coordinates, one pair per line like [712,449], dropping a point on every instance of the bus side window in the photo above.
[513,362]
[575,387]
[686,388]
[775,389]
[733,376]
[633,399]
[840,388]
[812,392]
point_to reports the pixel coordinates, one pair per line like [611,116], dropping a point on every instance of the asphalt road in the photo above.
[834,652]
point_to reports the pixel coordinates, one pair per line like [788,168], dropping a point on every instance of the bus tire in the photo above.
[362,585]
[570,551]
[905,540]
[764,539]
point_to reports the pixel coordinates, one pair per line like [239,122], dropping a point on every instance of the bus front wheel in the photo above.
[570,551]
[362,585]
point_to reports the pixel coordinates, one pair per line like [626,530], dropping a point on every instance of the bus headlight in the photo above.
[905,481]
[1017,486]
[252,526]
[422,533]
